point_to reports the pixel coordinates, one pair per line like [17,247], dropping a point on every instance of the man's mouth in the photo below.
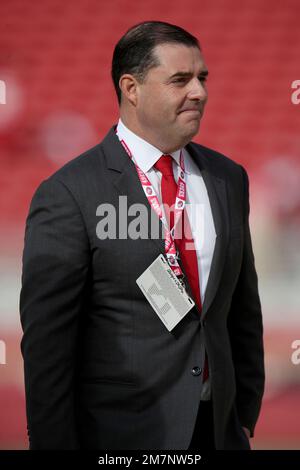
[191,108]
[195,111]
[191,111]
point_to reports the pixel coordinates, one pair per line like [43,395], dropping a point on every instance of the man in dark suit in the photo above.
[101,368]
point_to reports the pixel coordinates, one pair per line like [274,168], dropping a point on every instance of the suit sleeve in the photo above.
[246,331]
[55,267]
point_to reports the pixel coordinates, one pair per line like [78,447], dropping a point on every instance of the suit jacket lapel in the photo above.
[126,180]
[216,189]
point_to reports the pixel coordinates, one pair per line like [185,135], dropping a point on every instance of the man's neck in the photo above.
[133,127]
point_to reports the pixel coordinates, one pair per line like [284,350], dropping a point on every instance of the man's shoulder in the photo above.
[86,165]
[79,166]
[215,159]
[73,177]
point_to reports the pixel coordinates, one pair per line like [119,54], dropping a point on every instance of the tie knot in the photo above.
[164,165]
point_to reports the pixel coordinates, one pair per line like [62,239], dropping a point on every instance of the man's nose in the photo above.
[198,90]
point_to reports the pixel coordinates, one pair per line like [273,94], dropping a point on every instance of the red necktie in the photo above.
[188,256]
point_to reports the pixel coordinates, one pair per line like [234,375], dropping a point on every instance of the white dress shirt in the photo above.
[197,201]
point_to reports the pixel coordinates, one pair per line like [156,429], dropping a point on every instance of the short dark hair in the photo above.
[134,52]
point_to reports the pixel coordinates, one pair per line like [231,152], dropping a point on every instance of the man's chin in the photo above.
[192,129]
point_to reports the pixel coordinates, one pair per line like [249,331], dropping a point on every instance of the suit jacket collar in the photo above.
[126,180]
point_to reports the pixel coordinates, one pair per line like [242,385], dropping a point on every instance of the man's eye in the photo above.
[202,78]
[180,80]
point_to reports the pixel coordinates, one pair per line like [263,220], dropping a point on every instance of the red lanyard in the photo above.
[170,248]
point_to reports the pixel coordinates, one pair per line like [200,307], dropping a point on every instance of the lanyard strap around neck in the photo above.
[170,248]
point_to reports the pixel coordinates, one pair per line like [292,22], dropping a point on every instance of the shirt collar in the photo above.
[144,154]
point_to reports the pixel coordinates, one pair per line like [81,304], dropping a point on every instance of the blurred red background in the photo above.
[55,60]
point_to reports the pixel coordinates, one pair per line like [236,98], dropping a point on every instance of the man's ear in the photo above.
[129,85]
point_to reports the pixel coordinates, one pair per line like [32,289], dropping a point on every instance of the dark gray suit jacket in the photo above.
[101,370]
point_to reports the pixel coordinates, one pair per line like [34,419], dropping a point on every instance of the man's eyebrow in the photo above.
[203,73]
